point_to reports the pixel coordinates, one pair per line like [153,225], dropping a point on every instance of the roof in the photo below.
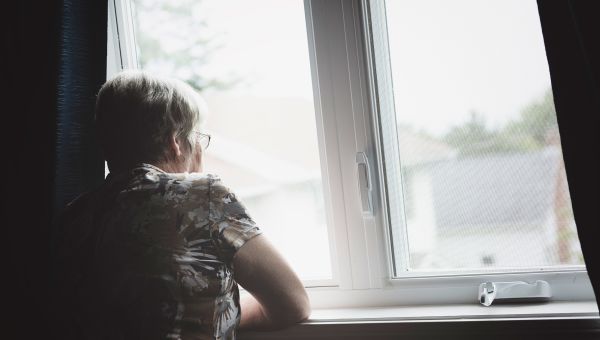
[260,144]
[515,189]
[416,148]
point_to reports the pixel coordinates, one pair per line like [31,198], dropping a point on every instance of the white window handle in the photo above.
[364,184]
[518,291]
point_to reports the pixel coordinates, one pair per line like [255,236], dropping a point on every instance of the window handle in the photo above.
[364,184]
[517,291]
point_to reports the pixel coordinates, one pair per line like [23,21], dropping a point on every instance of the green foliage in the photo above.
[527,133]
[536,120]
[172,38]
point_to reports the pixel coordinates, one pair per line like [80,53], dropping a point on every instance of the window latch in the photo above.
[364,184]
[518,291]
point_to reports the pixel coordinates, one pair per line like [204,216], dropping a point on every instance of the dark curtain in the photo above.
[54,62]
[81,71]
[573,48]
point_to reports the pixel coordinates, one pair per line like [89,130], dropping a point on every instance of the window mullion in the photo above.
[340,72]
[358,71]
[122,14]
[391,194]
[327,131]
[113,54]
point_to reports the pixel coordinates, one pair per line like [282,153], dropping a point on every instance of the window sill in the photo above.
[574,319]
[556,309]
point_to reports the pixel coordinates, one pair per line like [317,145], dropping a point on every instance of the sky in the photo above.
[265,42]
[453,57]
[448,58]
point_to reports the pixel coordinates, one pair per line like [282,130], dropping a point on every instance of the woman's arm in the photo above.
[278,298]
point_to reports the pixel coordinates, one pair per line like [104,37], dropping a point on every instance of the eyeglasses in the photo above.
[203,138]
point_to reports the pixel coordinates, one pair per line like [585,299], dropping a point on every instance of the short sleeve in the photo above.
[230,225]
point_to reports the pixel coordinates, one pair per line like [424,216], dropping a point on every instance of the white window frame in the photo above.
[383,111]
[350,99]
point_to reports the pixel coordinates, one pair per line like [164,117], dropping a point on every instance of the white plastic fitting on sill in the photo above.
[518,291]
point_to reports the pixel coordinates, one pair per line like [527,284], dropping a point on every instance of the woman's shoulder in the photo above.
[208,185]
[191,184]
[197,178]
[200,181]
[150,173]
[148,180]
[183,178]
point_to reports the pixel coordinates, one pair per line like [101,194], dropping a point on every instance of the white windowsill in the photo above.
[434,321]
[557,309]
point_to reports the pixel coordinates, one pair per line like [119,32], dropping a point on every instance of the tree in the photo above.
[536,120]
[527,133]
[173,38]
[474,137]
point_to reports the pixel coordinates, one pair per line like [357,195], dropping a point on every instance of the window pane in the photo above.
[483,179]
[252,67]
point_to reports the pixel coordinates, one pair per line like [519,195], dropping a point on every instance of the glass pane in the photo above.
[252,67]
[484,184]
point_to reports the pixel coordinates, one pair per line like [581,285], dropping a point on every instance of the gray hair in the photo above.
[137,114]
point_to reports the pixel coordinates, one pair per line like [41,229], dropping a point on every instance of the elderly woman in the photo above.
[158,250]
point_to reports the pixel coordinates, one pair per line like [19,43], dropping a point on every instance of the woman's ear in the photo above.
[176,146]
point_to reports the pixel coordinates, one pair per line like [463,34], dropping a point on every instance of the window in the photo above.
[256,81]
[478,141]
[419,138]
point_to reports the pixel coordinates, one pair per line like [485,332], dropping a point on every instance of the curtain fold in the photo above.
[81,72]
[572,47]
[54,62]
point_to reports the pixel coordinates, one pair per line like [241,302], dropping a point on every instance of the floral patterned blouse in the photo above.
[149,254]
